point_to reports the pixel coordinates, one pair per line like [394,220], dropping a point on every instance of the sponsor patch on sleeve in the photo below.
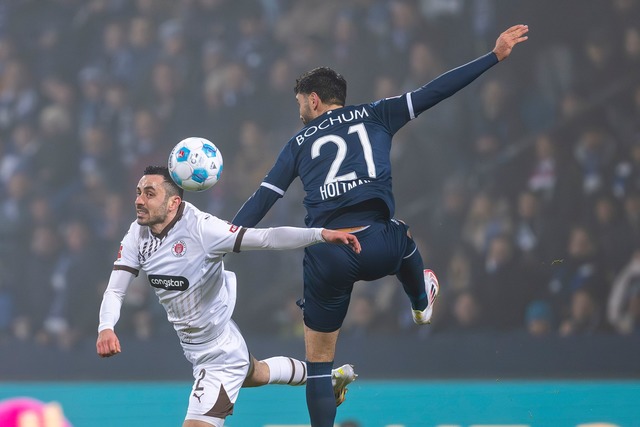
[234,228]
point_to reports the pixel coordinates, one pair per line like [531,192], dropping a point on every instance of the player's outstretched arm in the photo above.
[508,39]
[340,237]
[280,238]
[449,83]
[108,343]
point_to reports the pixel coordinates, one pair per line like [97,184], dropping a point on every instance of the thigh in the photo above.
[219,369]
[383,249]
[331,270]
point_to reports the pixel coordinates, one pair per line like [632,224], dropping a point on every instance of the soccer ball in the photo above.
[195,164]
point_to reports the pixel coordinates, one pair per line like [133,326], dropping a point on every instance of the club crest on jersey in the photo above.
[179,248]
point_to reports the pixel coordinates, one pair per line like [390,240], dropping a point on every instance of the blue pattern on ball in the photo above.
[208,150]
[183,154]
[199,175]
[176,178]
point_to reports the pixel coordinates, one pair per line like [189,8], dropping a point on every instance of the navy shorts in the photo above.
[331,270]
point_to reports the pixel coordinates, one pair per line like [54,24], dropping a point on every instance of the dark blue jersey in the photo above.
[342,157]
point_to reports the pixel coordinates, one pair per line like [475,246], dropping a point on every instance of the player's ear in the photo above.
[314,100]
[174,202]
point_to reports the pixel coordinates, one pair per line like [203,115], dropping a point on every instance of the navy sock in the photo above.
[411,275]
[321,402]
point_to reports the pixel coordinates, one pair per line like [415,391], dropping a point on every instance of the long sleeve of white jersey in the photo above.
[119,282]
[279,238]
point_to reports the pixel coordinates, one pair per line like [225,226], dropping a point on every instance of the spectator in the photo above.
[115,58]
[623,307]
[167,99]
[91,90]
[35,292]
[487,217]
[117,116]
[147,146]
[500,279]
[584,316]
[610,235]
[468,314]
[447,221]
[144,51]
[59,156]
[539,319]
[92,81]
[18,95]
[76,292]
[581,269]
[21,153]
[594,153]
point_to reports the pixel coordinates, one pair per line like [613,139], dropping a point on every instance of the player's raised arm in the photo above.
[449,83]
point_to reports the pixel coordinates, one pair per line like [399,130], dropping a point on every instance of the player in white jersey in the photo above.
[181,249]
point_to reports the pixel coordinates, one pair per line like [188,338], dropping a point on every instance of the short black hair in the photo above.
[173,188]
[330,86]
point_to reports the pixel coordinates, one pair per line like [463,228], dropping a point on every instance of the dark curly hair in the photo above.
[330,86]
[173,189]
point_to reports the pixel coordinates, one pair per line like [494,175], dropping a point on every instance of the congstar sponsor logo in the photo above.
[170,283]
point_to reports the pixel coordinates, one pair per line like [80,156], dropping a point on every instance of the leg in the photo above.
[411,275]
[215,422]
[289,371]
[420,285]
[326,299]
[320,349]
[320,346]
[276,370]
[219,369]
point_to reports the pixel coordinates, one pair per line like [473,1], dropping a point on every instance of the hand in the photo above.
[509,39]
[108,344]
[338,237]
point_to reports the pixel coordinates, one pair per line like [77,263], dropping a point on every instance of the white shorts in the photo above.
[219,369]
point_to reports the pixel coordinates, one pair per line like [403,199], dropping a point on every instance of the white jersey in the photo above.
[184,265]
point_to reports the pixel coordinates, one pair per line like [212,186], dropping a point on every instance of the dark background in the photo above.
[522,189]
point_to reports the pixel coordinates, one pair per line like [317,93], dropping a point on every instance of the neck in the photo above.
[326,108]
[157,229]
[333,107]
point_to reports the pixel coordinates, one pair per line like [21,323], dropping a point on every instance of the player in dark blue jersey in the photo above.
[342,158]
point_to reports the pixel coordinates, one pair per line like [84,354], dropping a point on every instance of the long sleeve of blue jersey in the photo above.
[447,84]
[256,207]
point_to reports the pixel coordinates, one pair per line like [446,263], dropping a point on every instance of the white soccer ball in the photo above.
[195,164]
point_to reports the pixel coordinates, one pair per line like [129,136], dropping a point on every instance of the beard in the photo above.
[152,218]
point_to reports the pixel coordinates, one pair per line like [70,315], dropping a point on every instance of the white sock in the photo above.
[286,370]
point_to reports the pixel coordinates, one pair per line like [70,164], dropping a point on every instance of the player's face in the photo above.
[152,205]
[305,108]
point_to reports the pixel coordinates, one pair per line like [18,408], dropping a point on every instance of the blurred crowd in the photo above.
[523,190]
